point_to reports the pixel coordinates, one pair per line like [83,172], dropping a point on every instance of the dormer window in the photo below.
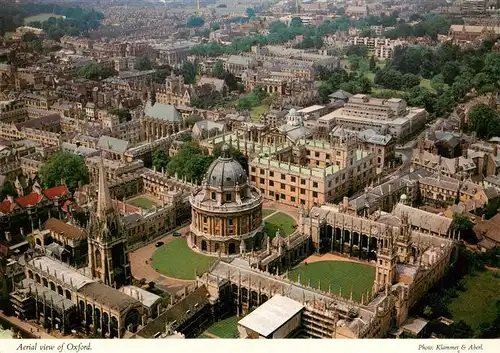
[213,196]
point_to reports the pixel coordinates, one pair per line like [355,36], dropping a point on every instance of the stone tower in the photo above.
[387,259]
[108,260]
[404,241]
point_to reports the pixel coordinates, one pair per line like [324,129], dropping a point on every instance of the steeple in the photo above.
[103,198]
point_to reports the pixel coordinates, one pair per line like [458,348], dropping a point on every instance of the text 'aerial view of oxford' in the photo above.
[250,169]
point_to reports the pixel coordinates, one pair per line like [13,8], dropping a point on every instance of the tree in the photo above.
[360,50]
[29,37]
[8,189]
[236,154]
[215,26]
[484,120]
[189,71]
[389,78]
[95,71]
[463,225]
[461,330]
[143,63]
[373,63]
[64,167]
[409,81]
[160,75]
[324,90]
[193,119]
[355,62]
[231,82]
[218,70]
[450,71]
[122,113]
[194,21]
[160,159]
[250,12]
[296,22]
[190,162]
[492,65]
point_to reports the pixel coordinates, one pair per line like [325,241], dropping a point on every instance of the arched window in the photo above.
[68,294]
[37,278]
[203,245]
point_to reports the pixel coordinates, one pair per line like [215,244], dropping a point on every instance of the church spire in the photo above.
[103,198]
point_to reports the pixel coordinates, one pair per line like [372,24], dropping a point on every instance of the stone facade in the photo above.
[226,210]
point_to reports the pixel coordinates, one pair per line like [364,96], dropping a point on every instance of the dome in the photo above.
[292,112]
[225,171]
[403,197]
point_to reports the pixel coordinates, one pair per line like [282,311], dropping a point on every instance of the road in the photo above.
[140,265]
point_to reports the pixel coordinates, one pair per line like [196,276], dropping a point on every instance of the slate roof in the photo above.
[179,312]
[422,219]
[108,296]
[162,111]
[60,302]
[340,94]
[113,144]
[62,271]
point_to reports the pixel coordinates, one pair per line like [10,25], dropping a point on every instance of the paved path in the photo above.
[269,215]
[206,333]
[279,207]
[26,326]
[140,269]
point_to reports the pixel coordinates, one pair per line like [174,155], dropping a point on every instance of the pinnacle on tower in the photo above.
[103,197]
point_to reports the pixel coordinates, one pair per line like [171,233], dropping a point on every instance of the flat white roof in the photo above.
[146,298]
[271,315]
[311,109]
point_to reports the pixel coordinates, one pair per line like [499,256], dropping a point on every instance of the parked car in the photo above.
[177,234]
[160,243]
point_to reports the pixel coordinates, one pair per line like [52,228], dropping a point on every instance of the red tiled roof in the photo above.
[70,205]
[69,231]
[56,191]
[29,200]
[7,207]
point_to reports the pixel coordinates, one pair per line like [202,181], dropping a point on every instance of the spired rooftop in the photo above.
[226,210]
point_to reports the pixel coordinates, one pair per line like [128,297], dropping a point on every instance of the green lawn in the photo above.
[370,75]
[426,83]
[258,110]
[280,220]
[475,304]
[40,17]
[226,328]
[175,259]
[204,336]
[267,211]
[142,202]
[338,274]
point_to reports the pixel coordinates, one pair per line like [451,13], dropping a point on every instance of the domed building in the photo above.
[226,210]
